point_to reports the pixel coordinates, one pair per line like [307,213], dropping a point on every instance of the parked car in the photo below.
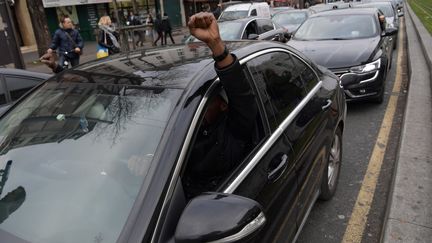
[351,43]
[99,153]
[391,14]
[248,28]
[245,10]
[291,19]
[16,82]
[395,3]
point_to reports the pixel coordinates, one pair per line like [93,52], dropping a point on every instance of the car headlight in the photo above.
[375,65]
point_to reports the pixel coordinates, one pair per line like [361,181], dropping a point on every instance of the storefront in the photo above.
[86,14]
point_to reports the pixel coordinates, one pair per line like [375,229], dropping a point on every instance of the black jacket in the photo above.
[103,36]
[63,43]
[220,147]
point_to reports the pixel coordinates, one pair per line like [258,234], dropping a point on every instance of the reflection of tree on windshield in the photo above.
[14,199]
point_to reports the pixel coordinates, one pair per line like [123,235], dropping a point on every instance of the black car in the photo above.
[98,153]
[253,28]
[353,44]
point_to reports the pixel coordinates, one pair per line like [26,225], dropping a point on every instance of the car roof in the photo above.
[347,11]
[20,72]
[168,67]
[244,20]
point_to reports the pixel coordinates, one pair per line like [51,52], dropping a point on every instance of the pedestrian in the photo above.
[158,29]
[166,26]
[149,23]
[68,42]
[108,37]
[217,12]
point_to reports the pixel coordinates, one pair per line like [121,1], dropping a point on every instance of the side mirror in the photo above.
[219,217]
[252,36]
[390,31]
[400,14]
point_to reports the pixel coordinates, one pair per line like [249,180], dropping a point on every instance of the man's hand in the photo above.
[49,50]
[77,50]
[205,28]
[50,60]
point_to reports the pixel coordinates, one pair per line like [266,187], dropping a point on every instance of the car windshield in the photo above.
[230,30]
[74,156]
[289,18]
[338,27]
[231,15]
[387,9]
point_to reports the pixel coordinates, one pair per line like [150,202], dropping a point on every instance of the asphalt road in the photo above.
[328,220]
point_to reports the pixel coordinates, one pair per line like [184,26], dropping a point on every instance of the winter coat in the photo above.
[62,42]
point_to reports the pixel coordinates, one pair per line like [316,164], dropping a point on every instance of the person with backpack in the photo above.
[68,43]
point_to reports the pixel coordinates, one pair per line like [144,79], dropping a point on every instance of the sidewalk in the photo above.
[31,59]
[409,216]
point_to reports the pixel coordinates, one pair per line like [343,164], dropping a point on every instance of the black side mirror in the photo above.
[400,13]
[252,37]
[219,217]
[390,31]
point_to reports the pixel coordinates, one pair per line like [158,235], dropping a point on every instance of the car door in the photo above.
[310,133]
[278,195]
[250,29]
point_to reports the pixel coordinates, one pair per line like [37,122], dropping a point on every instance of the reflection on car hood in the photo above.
[337,54]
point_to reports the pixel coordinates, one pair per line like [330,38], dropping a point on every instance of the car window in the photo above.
[251,28]
[278,77]
[264,25]
[79,154]
[337,27]
[19,85]
[202,160]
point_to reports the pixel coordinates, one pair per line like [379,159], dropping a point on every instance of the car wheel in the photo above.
[331,172]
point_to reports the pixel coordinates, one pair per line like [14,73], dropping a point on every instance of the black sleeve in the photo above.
[241,100]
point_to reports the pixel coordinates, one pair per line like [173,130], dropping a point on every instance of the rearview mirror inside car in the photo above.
[219,217]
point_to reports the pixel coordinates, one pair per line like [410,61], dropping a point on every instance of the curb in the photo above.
[409,211]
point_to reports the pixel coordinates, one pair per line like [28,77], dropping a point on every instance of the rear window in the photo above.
[231,15]
[74,157]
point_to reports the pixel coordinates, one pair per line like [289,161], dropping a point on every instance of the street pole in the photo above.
[11,37]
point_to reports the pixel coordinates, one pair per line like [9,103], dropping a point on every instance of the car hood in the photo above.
[337,53]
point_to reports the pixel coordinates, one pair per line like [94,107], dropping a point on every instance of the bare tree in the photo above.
[40,25]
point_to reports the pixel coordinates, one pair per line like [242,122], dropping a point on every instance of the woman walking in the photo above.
[108,37]
[166,26]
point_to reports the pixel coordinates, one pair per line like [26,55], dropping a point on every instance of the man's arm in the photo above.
[49,60]
[55,42]
[241,101]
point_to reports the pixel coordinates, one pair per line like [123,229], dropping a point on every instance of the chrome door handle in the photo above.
[329,102]
[278,171]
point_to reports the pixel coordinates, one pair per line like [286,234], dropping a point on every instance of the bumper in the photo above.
[362,86]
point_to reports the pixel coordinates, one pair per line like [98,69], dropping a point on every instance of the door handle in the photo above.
[278,171]
[326,106]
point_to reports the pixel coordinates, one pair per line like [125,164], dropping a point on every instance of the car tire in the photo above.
[331,173]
